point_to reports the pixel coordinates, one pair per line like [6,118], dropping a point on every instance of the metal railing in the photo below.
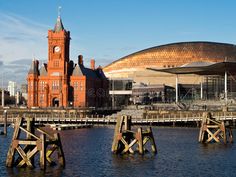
[149,118]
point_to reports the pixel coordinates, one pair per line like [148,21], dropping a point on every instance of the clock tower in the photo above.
[62,83]
[58,64]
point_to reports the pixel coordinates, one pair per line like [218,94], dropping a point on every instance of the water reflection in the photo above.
[88,153]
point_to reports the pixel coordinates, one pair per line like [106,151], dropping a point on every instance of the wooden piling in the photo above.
[230,135]
[5,122]
[140,141]
[127,120]
[42,149]
[29,146]
[29,128]
[213,130]
[117,131]
[125,140]
[13,145]
[153,144]
[60,153]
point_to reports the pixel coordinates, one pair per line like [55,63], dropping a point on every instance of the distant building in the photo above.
[120,91]
[147,94]
[18,97]
[24,88]
[60,82]
[12,88]
[5,97]
[24,91]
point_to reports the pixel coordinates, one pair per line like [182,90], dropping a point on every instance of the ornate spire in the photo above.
[34,67]
[59,26]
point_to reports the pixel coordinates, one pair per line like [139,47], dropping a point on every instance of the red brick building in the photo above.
[60,82]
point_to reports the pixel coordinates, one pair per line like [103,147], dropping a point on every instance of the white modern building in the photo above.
[12,88]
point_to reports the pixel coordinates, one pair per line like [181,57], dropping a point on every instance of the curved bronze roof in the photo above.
[176,54]
[218,68]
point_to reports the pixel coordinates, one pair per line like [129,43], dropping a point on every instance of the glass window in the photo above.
[55,85]
[56,63]
[76,85]
[81,86]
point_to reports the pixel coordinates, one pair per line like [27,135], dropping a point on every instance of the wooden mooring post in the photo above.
[125,140]
[28,141]
[4,123]
[213,130]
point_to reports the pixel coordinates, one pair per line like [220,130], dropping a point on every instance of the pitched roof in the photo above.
[33,68]
[89,72]
[77,71]
[80,70]
[100,73]
[43,70]
[58,26]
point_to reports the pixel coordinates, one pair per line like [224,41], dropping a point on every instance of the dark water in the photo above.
[87,153]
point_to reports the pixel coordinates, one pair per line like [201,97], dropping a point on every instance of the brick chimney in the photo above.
[80,60]
[92,64]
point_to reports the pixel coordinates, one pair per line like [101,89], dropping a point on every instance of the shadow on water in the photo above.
[133,164]
[117,160]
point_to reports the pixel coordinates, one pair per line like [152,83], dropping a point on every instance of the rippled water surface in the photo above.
[88,153]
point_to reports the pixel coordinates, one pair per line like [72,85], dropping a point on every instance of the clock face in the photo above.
[57,49]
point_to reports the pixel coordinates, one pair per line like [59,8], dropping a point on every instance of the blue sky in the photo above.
[107,30]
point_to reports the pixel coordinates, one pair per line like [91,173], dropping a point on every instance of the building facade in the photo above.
[173,55]
[60,82]
[24,91]
[12,88]
[134,66]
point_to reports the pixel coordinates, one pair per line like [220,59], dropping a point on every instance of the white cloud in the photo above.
[20,38]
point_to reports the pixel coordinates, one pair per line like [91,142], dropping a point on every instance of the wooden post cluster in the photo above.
[28,141]
[125,140]
[213,130]
[5,122]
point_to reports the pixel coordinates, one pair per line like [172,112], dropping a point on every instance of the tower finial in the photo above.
[33,57]
[59,26]
[59,11]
